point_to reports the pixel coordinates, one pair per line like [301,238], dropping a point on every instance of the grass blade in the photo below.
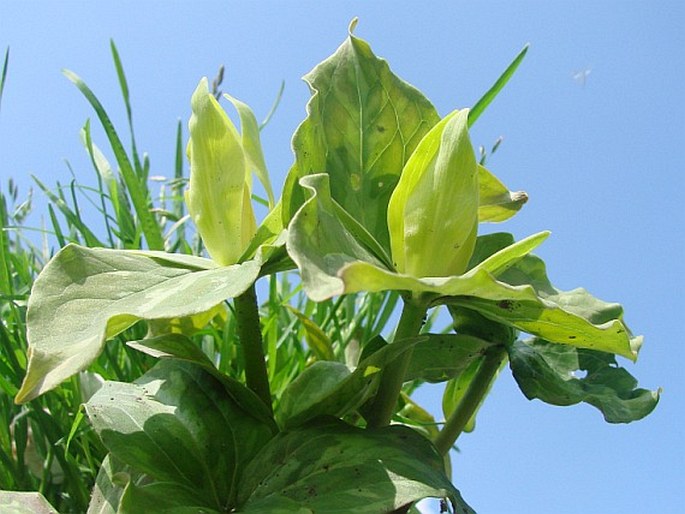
[277,101]
[72,217]
[491,93]
[3,75]
[125,93]
[137,190]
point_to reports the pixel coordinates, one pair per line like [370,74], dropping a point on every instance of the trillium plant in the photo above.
[384,200]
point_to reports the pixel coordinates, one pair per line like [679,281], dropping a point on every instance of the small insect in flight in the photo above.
[581,76]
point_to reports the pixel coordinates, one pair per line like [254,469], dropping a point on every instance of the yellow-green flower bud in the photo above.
[218,197]
[433,211]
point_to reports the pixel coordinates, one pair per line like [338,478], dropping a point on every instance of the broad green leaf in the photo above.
[442,357]
[554,373]
[314,385]
[496,203]
[84,296]
[362,124]
[568,317]
[166,424]
[275,505]
[477,282]
[329,388]
[331,467]
[433,211]
[489,244]
[177,346]
[555,323]
[163,498]
[252,145]
[188,325]
[218,195]
[12,502]
[469,322]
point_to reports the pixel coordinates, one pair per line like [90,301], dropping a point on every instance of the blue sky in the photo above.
[600,158]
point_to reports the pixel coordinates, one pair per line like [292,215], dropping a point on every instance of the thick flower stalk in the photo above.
[218,197]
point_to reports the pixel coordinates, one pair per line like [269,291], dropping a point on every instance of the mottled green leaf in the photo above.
[332,467]
[330,388]
[555,323]
[275,505]
[568,317]
[166,424]
[565,375]
[362,124]
[443,356]
[13,502]
[177,346]
[163,498]
[84,296]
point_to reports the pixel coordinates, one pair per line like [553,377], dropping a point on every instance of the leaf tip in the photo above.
[353,25]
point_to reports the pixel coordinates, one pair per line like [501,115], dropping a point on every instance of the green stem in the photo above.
[471,400]
[383,405]
[250,334]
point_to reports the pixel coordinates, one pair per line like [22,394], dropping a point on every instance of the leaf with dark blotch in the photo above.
[554,373]
[333,468]
[166,424]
